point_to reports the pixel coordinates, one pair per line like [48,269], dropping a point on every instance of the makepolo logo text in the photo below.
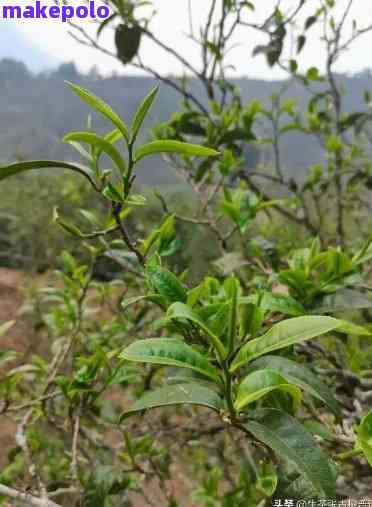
[64,12]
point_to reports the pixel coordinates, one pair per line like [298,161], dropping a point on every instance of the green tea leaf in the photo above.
[114,193]
[20,167]
[171,352]
[136,200]
[163,236]
[267,479]
[82,151]
[216,317]
[285,333]
[180,311]
[113,136]
[364,432]
[344,299]
[297,374]
[142,112]
[7,355]
[155,298]
[177,394]
[100,143]
[291,442]
[105,23]
[318,429]
[104,481]
[364,254]
[353,329]
[70,228]
[192,150]
[251,318]
[231,286]
[260,383]
[100,105]
[166,283]
[281,303]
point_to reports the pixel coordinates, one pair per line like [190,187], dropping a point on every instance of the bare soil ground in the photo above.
[17,338]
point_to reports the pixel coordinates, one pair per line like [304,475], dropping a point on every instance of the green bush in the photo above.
[230,344]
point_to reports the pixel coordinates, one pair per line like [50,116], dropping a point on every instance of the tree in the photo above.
[324,117]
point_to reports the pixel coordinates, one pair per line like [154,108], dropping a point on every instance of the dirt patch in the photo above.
[21,337]
[11,299]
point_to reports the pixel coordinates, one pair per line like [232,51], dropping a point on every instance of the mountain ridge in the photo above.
[37,109]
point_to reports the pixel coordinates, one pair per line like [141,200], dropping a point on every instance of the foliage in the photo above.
[253,377]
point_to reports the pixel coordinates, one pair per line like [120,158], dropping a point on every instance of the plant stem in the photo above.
[228,391]
[349,454]
[116,212]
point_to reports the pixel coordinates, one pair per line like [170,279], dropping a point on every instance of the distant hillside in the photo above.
[37,109]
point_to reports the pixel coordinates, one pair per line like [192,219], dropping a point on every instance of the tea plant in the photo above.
[228,346]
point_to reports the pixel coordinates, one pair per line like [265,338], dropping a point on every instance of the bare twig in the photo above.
[26,497]
[127,240]
[21,440]
[74,450]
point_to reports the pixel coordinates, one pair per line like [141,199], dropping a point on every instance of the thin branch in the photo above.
[127,240]
[74,451]
[171,51]
[33,403]
[21,440]
[26,497]
[283,211]
[166,80]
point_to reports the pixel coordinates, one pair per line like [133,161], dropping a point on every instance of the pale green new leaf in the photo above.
[100,143]
[166,283]
[6,356]
[142,112]
[364,254]
[20,167]
[177,394]
[282,304]
[168,146]
[154,298]
[267,479]
[180,311]
[297,374]
[102,107]
[170,352]
[262,382]
[232,289]
[136,200]
[251,318]
[285,333]
[82,151]
[364,432]
[353,329]
[343,300]
[113,136]
[292,442]
[4,328]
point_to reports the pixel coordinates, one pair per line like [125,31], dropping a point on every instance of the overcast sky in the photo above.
[172,22]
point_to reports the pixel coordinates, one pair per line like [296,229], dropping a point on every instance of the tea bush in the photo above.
[242,381]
